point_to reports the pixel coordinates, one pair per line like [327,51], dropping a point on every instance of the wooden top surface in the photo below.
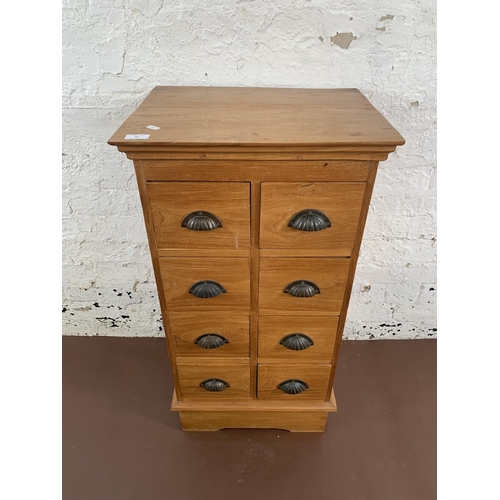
[227,116]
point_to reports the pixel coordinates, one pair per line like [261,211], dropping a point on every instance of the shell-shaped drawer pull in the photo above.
[210,341]
[214,385]
[293,386]
[302,288]
[310,220]
[201,221]
[296,341]
[207,289]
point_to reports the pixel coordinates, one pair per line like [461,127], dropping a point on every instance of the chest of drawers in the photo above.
[255,202]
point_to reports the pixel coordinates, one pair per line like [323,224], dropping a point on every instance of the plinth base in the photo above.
[254,414]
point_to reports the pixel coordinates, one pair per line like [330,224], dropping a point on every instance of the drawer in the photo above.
[201,214]
[320,281]
[297,338]
[311,379]
[201,284]
[311,215]
[214,381]
[210,334]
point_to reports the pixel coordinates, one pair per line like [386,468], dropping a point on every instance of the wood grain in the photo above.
[293,252]
[208,362]
[321,330]
[255,157]
[233,153]
[256,405]
[339,201]
[171,202]
[329,274]
[192,375]
[179,274]
[148,220]
[256,171]
[257,117]
[352,270]
[254,284]
[187,327]
[271,375]
[310,421]
[204,252]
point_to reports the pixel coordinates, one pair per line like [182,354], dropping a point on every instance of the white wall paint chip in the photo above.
[137,136]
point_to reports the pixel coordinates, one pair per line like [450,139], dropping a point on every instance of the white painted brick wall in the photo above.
[115,52]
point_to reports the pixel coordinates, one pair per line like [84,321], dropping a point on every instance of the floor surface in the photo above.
[121,442]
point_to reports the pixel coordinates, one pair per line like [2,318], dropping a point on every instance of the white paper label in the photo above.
[137,136]
[153,127]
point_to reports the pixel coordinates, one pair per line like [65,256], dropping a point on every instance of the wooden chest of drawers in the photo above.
[255,202]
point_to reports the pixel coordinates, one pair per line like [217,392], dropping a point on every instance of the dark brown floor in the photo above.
[120,441]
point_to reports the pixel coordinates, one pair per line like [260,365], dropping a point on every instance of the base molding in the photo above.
[254,414]
[312,421]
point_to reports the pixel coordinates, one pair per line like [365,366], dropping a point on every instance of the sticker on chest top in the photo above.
[137,136]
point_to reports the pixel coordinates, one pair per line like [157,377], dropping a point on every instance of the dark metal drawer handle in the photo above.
[296,342]
[201,221]
[302,288]
[293,386]
[210,341]
[214,385]
[310,220]
[207,289]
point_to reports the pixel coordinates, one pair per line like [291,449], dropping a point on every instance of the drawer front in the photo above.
[311,215]
[297,338]
[201,214]
[206,284]
[234,380]
[311,379]
[210,334]
[282,279]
